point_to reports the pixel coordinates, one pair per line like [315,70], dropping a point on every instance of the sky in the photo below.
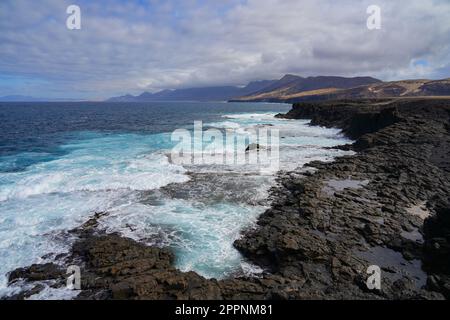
[149,45]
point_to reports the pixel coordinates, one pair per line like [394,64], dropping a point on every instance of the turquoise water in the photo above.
[197,210]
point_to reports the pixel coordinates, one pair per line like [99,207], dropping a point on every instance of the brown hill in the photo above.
[394,89]
[291,86]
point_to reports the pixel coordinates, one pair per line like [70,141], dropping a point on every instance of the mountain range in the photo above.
[19,98]
[218,93]
[394,89]
[290,88]
[254,91]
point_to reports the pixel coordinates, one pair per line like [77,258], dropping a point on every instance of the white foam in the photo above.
[92,173]
[39,204]
[251,116]
[202,235]
[49,293]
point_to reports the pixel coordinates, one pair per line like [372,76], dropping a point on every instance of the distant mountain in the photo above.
[219,93]
[18,98]
[292,86]
[393,89]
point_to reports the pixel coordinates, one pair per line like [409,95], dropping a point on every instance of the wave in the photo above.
[251,116]
[97,174]
[200,219]
[71,175]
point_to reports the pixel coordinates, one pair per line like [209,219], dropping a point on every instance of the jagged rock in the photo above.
[36,272]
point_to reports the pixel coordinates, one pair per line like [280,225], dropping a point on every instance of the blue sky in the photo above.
[134,46]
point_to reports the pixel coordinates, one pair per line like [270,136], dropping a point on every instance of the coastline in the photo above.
[326,226]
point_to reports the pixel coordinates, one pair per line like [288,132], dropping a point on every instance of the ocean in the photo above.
[60,163]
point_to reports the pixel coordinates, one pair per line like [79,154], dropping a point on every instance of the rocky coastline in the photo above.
[387,205]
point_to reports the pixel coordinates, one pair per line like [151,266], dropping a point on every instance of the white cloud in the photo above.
[126,46]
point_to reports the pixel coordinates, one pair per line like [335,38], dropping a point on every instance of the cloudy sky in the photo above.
[148,45]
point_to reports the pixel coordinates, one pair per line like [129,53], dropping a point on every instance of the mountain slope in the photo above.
[219,93]
[19,98]
[291,86]
[393,89]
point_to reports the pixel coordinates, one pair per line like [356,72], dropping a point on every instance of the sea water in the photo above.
[60,163]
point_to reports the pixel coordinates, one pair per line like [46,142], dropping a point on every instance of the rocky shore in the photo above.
[387,205]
